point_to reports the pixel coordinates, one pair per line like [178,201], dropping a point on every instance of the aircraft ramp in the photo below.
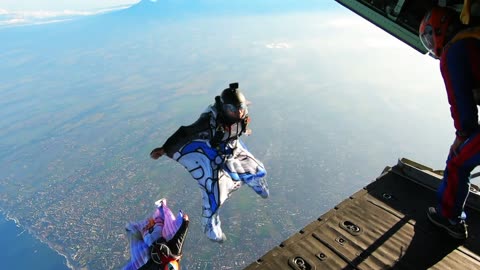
[382,226]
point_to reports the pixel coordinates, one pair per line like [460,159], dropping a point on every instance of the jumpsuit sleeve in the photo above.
[459,67]
[185,134]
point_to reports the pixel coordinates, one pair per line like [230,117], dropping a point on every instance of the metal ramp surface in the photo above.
[383,226]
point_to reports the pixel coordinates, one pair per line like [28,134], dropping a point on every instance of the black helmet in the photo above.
[233,95]
[234,103]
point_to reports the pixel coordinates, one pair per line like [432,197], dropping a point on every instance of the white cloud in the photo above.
[279,45]
[15,18]
[14,21]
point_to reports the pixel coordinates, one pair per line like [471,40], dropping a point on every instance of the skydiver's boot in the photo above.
[457,230]
[212,228]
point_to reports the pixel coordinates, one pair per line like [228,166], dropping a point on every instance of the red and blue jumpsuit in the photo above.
[460,68]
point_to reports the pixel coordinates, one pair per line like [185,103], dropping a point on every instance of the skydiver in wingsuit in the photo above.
[456,43]
[211,150]
[156,243]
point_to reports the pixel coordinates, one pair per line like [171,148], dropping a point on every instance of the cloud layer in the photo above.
[19,18]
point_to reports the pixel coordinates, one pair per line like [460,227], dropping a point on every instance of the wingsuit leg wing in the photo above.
[205,165]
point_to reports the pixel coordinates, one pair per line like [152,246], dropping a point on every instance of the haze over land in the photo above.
[83,102]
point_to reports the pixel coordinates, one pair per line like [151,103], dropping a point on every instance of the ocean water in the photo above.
[20,250]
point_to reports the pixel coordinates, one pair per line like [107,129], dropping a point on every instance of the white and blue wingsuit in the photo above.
[211,150]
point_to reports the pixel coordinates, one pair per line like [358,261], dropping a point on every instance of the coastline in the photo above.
[8,217]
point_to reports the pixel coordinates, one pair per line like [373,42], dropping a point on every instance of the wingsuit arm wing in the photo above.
[185,134]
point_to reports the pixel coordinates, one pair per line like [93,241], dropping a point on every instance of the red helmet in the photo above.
[433,29]
[172,265]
